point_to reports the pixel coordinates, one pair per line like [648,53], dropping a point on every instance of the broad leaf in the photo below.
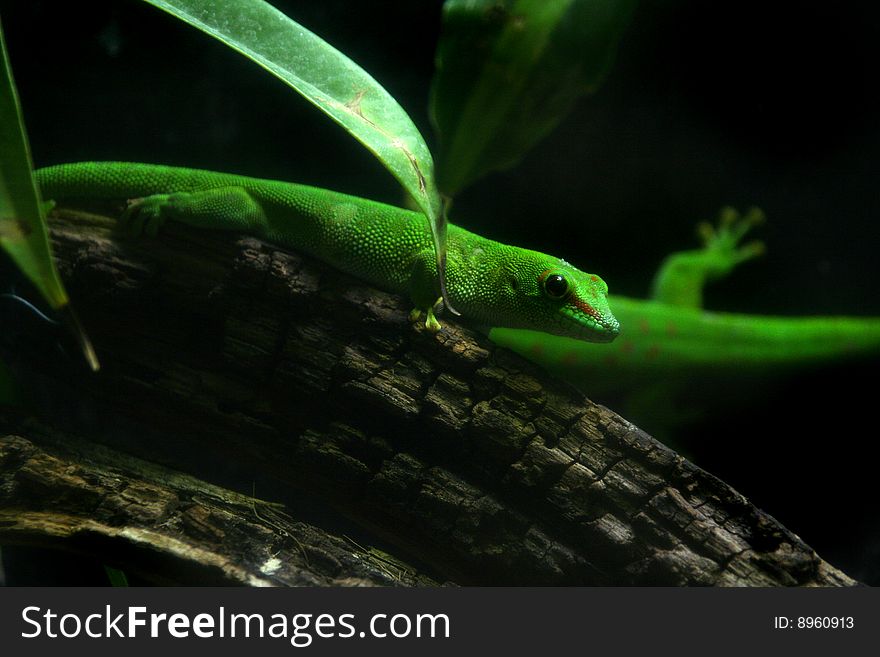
[330,81]
[508,71]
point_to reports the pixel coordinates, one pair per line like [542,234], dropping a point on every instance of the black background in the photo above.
[772,104]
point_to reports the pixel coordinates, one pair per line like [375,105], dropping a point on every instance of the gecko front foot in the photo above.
[682,276]
[145,215]
[724,241]
[431,322]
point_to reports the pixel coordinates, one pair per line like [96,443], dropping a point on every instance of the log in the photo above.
[244,366]
[167,527]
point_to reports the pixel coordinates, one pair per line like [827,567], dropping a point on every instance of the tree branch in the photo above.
[236,362]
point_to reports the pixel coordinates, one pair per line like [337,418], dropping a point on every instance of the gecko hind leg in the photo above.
[221,208]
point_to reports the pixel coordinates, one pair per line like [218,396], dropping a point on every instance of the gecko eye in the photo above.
[556,286]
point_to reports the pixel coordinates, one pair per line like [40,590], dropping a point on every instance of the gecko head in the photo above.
[577,303]
[552,296]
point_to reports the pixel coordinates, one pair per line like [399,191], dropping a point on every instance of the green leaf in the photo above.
[508,71]
[23,232]
[333,83]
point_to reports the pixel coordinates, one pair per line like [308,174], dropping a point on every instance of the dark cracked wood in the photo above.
[234,361]
[170,528]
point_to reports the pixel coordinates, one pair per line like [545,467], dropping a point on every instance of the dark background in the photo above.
[709,104]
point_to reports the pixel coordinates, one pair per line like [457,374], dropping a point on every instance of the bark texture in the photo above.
[245,367]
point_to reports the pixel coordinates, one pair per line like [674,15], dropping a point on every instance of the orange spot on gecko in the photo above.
[653,352]
[671,329]
[570,357]
[536,349]
[627,347]
[594,278]
[610,359]
[644,327]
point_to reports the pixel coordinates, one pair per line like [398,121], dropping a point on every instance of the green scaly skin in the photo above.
[669,339]
[489,283]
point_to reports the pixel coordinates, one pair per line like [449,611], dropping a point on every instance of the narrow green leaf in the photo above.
[330,81]
[23,233]
[508,71]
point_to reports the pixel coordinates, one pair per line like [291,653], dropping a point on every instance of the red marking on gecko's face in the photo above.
[573,299]
[594,278]
[585,308]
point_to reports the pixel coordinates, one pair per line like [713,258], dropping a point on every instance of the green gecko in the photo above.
[671,347]
[490,283]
